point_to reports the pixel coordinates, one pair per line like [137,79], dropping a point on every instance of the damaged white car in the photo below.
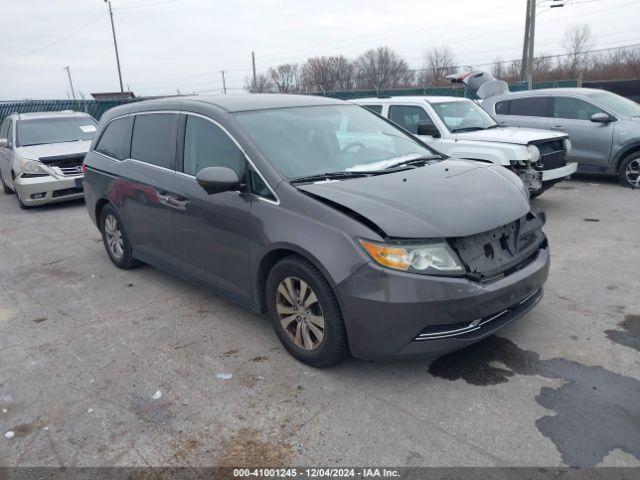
[460,128]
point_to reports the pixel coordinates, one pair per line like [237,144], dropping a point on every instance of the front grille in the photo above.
[552,154]
[476,327]
[65,165]
[501,250]
[68,170]
[67,191]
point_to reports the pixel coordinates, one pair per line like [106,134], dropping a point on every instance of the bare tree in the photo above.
[439,62]
[327,74]
[263,84]
[576,42]
[382,68]
[285,77]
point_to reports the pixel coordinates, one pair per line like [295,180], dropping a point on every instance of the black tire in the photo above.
[5,187]
[623,177]
[20,203]
[126,260]
[334,347]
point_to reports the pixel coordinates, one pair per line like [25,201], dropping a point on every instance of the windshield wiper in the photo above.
[466,129]
[414,161]
[492,126]
[330,176]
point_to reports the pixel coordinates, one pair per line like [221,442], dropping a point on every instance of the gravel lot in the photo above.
[84,347]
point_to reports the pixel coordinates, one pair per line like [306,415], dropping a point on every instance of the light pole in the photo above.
[115,44]
[73,92]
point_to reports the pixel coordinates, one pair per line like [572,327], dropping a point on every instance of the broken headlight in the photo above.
[429,259]
[533,153]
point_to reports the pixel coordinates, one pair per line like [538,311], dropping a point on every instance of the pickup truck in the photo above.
[460,128]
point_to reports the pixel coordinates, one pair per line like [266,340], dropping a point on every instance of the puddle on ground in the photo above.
[594,412]
[629,336]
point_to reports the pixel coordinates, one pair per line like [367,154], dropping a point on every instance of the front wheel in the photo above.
[115,239]
[629,175]
[5,187]
[305,313]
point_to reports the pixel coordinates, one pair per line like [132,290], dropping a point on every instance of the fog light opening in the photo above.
[38,196]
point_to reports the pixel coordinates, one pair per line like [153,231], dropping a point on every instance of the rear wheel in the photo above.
[629,174]
[305,313]
[115,239]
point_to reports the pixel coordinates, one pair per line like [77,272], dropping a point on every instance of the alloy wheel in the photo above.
[300,313]
[112,231]
[632,173]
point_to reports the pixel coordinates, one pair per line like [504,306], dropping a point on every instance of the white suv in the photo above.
[460,128]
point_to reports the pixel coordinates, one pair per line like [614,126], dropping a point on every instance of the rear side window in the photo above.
[573,108]
[408,116]
[374,108]
[115,139]
[502,108]
[207,145]
[152,138]
[530,106]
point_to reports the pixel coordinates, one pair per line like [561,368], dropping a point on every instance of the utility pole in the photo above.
[224,83]
[73,92]
[532,42]
[253,65]
[115,44]
[525,44]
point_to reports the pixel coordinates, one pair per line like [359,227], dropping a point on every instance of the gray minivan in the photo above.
[353,235]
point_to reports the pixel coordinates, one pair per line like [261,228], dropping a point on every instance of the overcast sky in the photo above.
[170,44]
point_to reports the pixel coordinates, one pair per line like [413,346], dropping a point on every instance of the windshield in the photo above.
[463,116]
[616,103]
[307,141]
[54,130]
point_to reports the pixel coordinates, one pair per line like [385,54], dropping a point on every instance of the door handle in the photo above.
[558,127]
[173,200]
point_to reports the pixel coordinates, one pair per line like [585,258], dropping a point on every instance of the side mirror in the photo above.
[429,129]
[601,118]
[4,143]
[218,179]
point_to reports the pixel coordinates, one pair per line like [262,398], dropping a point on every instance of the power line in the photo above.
[74,32]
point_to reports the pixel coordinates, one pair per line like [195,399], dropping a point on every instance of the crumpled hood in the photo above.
[520,136]
[452,198]
[54,149]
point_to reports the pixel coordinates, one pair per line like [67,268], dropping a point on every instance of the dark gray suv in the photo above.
[352,234]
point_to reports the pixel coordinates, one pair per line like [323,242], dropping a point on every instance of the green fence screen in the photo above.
[96,108]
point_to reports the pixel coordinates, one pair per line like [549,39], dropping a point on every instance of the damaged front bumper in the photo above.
[534,179]
[391,313]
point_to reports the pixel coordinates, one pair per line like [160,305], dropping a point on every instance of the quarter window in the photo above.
[115,139]
[502,108]
[530,106]
[408,116]
[573,108]
[152,138]
[207,145]
[374,108]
